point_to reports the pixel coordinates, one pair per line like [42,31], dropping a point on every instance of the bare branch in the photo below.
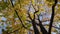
[28,12]
[34,27]
[42,27]
[52,16]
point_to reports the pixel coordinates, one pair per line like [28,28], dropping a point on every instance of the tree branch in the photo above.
[34,27]
[52,16]
[28,12]
[19,18]
[44,31]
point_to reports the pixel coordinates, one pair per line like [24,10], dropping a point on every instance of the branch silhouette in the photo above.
[52,16]
[19,19]
[43,30]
